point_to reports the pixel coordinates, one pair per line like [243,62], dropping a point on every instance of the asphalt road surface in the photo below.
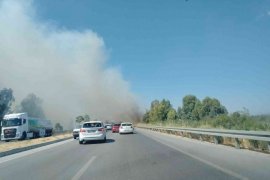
[144,155]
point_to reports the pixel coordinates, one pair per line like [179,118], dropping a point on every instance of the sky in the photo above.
[169,49]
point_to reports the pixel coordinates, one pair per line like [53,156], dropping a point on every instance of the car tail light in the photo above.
[101,129]
[82,130]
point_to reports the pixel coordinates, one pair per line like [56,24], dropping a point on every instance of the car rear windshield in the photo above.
[116,125]
[90,125]
[126,124]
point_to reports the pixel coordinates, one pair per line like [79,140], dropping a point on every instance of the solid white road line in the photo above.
[84,168]
[227,171]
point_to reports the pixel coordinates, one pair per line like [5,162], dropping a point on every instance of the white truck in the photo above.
[20,126]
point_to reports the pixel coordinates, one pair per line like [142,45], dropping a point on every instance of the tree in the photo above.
[171,116]
[159,110]
[211,107]
[154,103]
[86,117]
[197,111]
[58,127]
[179,112]
[189,103]
[79,119]
[164,108]
[6,100]
[146,117]
[153,113]
[32,105]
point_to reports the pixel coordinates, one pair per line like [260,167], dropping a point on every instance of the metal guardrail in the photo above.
[235,134]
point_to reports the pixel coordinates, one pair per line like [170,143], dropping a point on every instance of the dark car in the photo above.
[76,133]
[115,128]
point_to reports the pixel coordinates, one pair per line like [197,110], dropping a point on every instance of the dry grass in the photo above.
[6,146]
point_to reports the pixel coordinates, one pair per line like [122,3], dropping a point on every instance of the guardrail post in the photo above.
[237,143]
[216,140]
[181,133]
[201,139]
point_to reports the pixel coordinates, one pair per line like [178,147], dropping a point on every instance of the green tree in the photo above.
[189,103]
[236,115]
[159,110]
[154,103]
[146,117]
[153,113]
[211,107]
[171,116]
[179,112]
[163,109]
[197,111]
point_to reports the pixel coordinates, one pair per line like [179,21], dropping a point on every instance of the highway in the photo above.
[144,155]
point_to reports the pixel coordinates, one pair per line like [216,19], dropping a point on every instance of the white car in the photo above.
[126,127]
[92,130]
[108,126]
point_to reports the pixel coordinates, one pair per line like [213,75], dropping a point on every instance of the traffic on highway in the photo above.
[134,90]
[142,155]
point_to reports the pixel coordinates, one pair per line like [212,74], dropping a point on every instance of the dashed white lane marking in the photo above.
[84,168]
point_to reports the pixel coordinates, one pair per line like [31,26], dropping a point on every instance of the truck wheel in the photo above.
[23,136]
[35,135]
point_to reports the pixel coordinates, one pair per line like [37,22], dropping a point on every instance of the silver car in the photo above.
[92,130]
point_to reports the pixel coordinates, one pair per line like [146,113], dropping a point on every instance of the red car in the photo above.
[115,128]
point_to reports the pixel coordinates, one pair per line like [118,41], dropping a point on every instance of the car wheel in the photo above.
[74,137]
[80,142]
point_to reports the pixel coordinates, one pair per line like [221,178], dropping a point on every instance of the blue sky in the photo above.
[168,49]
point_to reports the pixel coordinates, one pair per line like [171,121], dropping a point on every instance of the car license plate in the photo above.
[91,131]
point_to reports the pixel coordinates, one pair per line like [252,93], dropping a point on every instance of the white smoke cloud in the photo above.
[66,68]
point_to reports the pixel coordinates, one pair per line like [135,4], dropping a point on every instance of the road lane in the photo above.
[245,163]
[139,157]
[132,156]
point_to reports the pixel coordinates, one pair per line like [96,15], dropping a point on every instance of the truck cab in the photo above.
[14,126]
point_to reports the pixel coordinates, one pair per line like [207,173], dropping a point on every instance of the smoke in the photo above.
[66,68]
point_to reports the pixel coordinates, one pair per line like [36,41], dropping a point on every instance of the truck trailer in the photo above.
[20,126]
